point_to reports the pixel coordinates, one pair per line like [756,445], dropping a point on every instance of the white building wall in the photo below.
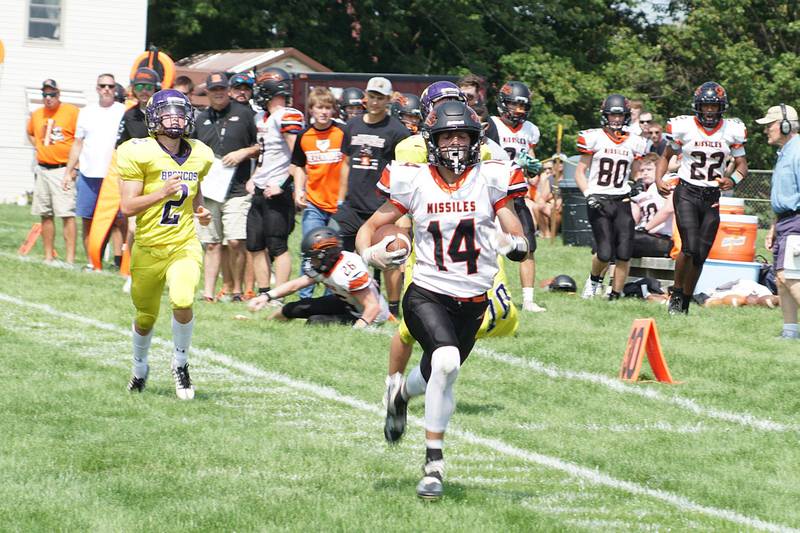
[97,36]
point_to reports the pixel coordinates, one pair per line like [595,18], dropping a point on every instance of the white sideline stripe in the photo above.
[577,471]
[552,371]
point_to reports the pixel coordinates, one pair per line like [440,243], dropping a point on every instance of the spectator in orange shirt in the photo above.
[316,165]
[51,129]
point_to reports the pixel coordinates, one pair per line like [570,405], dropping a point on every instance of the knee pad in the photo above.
[145,321]
[445,360]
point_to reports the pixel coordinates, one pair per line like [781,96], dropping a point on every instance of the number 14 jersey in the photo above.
[705,151]
[453,224]
[612,158]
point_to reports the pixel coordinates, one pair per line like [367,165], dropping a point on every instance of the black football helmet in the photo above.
[406,108]
[615,104]
[563,283]
[321,248]
[351,96]
[710,92]
[453,116]
[272,82]
[514,92]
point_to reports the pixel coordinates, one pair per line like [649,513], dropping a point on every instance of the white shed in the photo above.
[71,41]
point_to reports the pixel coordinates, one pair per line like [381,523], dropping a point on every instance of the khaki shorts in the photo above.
[49,199]
[228,221]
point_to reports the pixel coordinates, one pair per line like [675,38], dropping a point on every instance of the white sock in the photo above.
[527,294]
[141,347]
[415,384]
[436,444]
[182,338]
[439,399]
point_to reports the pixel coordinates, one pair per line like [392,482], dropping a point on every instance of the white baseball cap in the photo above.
[775,113]
[380,85]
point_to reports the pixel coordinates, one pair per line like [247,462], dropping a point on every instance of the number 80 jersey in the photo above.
[612,158]
[453,224]
[705,151]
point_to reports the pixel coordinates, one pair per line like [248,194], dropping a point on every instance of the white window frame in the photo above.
[59,23]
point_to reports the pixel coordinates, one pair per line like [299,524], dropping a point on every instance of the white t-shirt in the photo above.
[453,223]
[612,158]
[98,126]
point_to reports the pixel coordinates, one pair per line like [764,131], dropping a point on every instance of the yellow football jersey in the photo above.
[414,150]
[170,221]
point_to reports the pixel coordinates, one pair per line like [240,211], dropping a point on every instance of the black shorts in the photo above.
[348,222]
[269,222]
[612,227]
[329,306]
[526,219]
[436,320]
[697,218]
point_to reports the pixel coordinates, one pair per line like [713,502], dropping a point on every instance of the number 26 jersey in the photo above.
[705,151]
[454,223]
[612,158]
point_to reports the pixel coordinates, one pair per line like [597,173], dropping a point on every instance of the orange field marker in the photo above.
[644,338]
[30,240]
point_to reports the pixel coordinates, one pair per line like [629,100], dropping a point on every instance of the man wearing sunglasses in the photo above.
[95,137]
[132,126]
[51,130]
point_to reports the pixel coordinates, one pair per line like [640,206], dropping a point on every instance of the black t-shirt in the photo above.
[371,148]
[226,131]
[132,126]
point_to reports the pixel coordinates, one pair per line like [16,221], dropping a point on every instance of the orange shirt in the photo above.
[54,132]
[320,152]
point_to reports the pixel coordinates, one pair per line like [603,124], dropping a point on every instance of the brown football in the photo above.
[403,240]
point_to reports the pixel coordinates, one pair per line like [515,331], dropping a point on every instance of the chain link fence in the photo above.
[755,191]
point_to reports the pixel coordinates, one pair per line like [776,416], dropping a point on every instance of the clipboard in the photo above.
[217,182]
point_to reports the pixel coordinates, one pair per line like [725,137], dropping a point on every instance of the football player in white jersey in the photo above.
[609,154]
[271,216]
[519,137]
[453,203]
[705,140]
[355,297]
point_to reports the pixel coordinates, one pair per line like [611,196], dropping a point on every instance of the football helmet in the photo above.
[615,104]
[352,97]
[438,91]
[453,116]
[406,108]
[514,92]
[710,93]
[169,105]
[321,248]
[564,283]
[271,82]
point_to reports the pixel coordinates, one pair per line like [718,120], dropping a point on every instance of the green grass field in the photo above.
[286,430]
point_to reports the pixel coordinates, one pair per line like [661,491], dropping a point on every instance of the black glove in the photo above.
[637,188]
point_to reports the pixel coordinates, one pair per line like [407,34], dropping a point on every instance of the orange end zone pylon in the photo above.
[644,338]
[31,239]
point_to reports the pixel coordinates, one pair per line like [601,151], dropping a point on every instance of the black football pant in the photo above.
[612,226]
[697,218]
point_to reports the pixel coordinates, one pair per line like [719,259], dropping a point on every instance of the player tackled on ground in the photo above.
[161,186]
[453,204]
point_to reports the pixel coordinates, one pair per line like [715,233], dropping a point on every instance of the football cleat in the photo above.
[532,307]
[675,305]
[591,289]
[183,383]
[138,384]
[430,487]
[396,408]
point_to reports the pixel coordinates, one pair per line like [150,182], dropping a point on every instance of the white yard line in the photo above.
[602,380]
[588,474]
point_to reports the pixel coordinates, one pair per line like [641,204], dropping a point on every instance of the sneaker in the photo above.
[236,297]
[209,299]
[591,289]
[126,287]
[249,295]
[183,383]
[223,296]
[396,408]
[788,335]
[138,384]
[532,307]
[675,306]
[430,486]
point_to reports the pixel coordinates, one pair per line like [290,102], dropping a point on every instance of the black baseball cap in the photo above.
[216,79]
[49,83]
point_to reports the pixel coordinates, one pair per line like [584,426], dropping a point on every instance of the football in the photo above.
[402,242]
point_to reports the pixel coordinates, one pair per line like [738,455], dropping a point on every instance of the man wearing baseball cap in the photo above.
[242,88]
[51,130]
[145,82]
[368,146]
[780,126]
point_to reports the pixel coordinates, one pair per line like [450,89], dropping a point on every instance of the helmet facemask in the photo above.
[169,115]
[456,157]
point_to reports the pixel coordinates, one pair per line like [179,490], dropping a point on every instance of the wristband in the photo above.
[736,177]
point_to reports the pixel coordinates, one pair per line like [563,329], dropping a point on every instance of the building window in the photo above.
[44,20]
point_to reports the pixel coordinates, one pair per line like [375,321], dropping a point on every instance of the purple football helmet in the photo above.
[169,104]
[438,91]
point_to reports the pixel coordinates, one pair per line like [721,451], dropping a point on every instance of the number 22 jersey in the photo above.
[705,151]
[612,158]
[171,220]
[453,223]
